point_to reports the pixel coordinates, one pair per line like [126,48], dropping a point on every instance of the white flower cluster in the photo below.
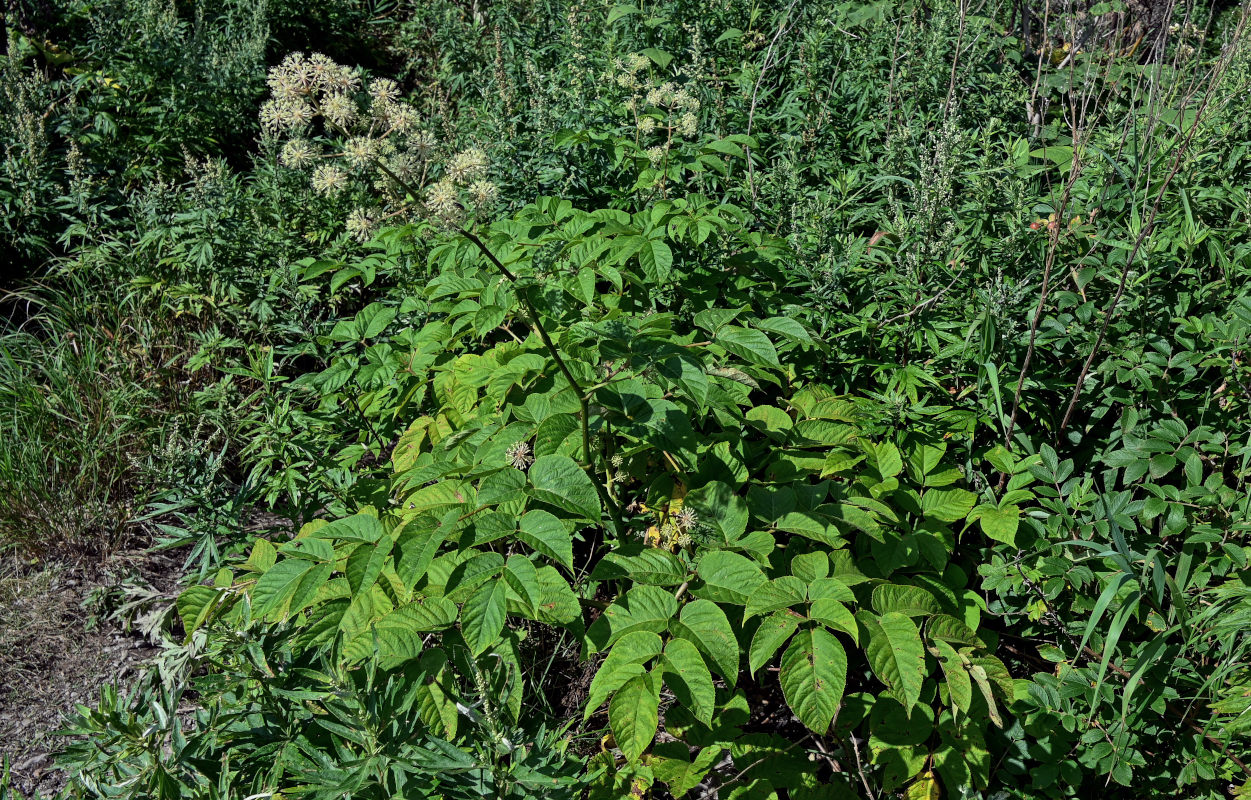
[464,186]
[659,108]
[347,131]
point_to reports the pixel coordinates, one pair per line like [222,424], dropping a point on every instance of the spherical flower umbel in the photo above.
[285,115]
[686,520]
[483,192]
[403,118]
[519,455]
[656,155]
[360,151]
[340,109]
[297,154]
[361,224]
[384,90]
[467,165]
[442,200]
[647,124]
[422,143]
[636,62]
[329,180]
[688,124]
[685,100]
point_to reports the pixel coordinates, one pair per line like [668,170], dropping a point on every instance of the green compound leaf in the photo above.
[559,481]
[645,608]
[693,687]
[895,654]
[624,661]
[546,534]
[813,677]
[366,563]
[775,595]
[773,632]
[287,587]
[749,345]
[656,259]
[705,625]
[482,616]
[522,577]
[999,524]
[633,714]
[947,505]
[911,601]
[959,687]
[728,577]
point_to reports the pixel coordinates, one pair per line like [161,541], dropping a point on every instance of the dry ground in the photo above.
[56,652]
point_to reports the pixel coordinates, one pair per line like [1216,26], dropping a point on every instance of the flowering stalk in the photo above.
[583,404]
[305,89]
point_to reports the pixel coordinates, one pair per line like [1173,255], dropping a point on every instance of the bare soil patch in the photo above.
[58,650]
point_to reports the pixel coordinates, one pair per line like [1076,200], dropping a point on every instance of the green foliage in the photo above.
[779,400]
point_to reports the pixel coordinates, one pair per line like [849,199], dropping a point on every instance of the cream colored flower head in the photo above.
[483,192]
[360,152]
[361,224]
[422,143]
[688,124]
[297,154]
[467,165]
[329,180]
[384,90]
[340,109]
[442,199]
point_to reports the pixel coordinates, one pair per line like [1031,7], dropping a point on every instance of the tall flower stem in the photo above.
[584,406]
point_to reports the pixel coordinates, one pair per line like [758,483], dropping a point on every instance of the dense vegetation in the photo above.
[706,399]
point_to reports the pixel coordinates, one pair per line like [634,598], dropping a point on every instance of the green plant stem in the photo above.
[583,404]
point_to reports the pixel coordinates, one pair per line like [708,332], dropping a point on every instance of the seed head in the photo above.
[519,455]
